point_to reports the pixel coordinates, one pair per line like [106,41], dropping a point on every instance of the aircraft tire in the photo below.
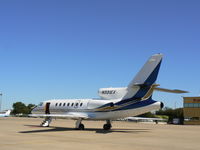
[107,126]
[81,127]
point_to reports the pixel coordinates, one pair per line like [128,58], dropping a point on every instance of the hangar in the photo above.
[191,110]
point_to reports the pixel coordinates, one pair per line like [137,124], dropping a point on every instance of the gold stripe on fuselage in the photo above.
[108,108]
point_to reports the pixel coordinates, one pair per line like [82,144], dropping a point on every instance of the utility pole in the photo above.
[175,104]
[0,100]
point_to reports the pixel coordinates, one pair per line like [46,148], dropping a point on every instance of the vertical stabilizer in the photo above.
[141,85]
[8,112]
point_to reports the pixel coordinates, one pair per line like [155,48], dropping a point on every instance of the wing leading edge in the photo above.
[170,90]
[69,115]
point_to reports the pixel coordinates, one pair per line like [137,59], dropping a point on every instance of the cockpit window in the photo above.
[40,104]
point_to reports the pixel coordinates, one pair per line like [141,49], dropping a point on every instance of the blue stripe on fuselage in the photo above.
[137,105]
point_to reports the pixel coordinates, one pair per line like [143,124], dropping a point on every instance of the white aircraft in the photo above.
[5,113]
[115,103]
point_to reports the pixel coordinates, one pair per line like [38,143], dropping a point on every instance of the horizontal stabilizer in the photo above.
[146,85]
[170,90]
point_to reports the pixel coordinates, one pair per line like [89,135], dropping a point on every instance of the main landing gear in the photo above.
[46,122]
[79,125]
[108,125]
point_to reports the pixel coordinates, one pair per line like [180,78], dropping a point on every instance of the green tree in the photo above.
[147,115]
[30,107]
[172,113]
[19,108]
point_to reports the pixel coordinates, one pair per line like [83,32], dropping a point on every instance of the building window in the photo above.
[190,105]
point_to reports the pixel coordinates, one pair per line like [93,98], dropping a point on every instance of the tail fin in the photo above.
[141,86]
[8,112]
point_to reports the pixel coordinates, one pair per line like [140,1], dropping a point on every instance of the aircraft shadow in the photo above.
[100,131]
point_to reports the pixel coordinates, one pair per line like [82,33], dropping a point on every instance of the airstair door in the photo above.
[47,110]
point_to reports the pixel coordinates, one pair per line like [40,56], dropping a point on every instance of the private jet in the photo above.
[114,103]
[5,113]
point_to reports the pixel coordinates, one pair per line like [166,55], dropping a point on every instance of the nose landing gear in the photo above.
[46,122]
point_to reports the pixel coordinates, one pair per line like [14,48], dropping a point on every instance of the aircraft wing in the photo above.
[68,115]
[170,90]
[142,118]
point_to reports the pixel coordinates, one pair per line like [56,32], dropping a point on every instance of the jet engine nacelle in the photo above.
[112,93]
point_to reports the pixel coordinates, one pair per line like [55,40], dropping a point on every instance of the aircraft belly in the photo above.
[104,115]
[126,113]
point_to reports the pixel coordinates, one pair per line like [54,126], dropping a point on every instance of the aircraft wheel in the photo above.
[81,127]
[107,126]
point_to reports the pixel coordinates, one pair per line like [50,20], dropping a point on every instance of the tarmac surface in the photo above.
[25,134]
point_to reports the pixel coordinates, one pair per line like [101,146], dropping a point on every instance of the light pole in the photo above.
[0,100]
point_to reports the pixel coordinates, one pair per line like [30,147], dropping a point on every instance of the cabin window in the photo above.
[56,104]
[81,104]
[60,104]
[76,104]
[64,104]
[72,104]
[68,104]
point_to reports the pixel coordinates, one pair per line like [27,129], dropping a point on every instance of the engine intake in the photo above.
[161,105]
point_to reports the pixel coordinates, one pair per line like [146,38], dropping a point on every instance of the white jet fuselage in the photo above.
[95,109]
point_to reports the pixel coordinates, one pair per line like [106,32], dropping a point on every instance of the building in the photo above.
[191,110]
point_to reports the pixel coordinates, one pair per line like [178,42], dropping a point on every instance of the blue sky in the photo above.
[70,49]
